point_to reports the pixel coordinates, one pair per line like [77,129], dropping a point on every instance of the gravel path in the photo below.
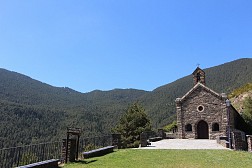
[184,144]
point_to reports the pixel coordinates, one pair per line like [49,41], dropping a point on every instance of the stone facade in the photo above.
[249,141]
[202,113]
[199,76]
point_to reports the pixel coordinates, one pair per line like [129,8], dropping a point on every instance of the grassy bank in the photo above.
[132,158]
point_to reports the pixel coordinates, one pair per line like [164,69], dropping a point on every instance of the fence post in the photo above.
[77,147]
[249,141]
[74,144]
[143,139]
[72,150]
[116,140]
[161,133]
[18,156]
[94,141]
[67,148]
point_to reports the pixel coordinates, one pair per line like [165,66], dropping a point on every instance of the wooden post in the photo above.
[116,140]
[73,149]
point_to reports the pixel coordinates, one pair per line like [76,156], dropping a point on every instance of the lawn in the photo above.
[130,158]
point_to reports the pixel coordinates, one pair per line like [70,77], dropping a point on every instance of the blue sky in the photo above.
[107,44]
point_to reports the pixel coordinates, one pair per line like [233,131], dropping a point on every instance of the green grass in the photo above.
[132,158]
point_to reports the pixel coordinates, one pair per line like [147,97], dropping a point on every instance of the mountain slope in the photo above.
[18,88]
[34,111]
[239,95]
[223,79]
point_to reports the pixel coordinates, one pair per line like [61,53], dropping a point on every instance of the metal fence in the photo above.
[23,155]
[87,144]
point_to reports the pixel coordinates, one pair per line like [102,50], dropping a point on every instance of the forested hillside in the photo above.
[160,103]
[32,111]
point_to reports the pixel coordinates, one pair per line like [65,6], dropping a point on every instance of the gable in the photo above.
[198,70]
[203,87]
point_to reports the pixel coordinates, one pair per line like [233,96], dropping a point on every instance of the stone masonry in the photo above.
[201,112]
[201,105]
[204,114]
[249,141]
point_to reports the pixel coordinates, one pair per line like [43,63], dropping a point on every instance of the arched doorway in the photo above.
[202,130]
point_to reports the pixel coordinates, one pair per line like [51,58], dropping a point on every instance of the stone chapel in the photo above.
[203,114]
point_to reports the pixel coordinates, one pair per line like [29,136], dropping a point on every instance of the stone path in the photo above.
[184,144]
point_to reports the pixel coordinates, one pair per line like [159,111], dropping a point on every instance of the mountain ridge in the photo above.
[221,78]
[31,103]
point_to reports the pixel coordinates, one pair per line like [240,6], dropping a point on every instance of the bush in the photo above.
[170,127]
[247,112]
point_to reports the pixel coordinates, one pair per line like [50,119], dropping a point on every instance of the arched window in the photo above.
[198,76]
[215,127]
[188,127]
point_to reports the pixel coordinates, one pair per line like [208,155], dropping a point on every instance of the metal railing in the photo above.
[23,155]
[91,143]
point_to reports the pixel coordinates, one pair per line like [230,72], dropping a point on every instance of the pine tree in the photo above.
[132,124]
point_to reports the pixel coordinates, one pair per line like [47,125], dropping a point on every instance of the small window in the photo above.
[200,108]
[215,127]
[198,77]
[188,127]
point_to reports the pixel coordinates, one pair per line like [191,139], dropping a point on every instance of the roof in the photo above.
[220,96]
[198,69]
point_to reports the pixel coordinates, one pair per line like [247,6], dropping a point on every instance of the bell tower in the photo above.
[199,76]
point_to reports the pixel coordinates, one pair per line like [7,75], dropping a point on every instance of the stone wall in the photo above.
[180,117]
[249,141]
[222,140]
[201,104]
[117,140]
[239,141]
[161,133]
[143,139]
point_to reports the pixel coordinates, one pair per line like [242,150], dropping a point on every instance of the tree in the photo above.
[247,112]
[132,124]
[170,126]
